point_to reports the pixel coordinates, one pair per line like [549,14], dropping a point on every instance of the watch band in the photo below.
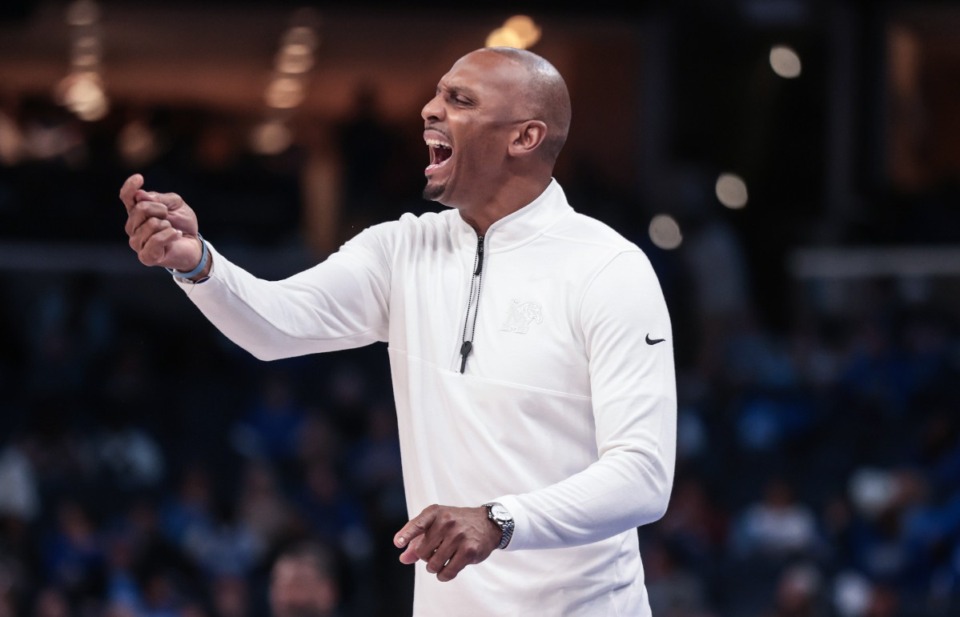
[502,519]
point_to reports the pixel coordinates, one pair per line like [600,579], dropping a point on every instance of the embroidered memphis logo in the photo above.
[521,315]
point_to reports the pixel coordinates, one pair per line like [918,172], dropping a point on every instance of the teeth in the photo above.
[441,153]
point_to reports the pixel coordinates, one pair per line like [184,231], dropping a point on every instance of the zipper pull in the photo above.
[479,256]
[464,352]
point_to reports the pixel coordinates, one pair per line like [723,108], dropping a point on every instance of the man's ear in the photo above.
[528,137]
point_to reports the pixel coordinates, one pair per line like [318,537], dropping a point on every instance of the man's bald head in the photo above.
[545,96]
[494,128]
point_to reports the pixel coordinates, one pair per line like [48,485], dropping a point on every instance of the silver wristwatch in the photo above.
[502,519]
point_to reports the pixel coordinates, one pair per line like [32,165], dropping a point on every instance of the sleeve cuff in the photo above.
[521,522]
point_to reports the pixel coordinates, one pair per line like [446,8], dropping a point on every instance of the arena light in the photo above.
[284,93]
[287,88]
[785,62]
[96,109]
[83,13]
[137,143]
[271,137]
[82,94]
[525,28]
[302,35]
[731,190]
[519,32]
[86,52]
[502,37]
[665,232]
[82,90]
[294,59]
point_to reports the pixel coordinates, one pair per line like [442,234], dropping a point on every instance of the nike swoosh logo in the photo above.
[654,341]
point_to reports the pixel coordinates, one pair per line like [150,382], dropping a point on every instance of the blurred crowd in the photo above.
[149,468]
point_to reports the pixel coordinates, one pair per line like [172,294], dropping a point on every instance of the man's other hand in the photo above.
[448,539]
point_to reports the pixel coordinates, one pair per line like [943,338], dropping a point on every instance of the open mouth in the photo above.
[440,153]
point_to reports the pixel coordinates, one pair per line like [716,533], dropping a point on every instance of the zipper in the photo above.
[466,345]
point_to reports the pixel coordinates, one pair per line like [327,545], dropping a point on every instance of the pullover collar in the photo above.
[517,227]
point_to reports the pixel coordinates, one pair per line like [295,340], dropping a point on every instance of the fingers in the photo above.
[464,556]
[145,231]
[440,556]
[155,248]
[417,526]
[447,539]
[142,212]
[445,559]
[170,200]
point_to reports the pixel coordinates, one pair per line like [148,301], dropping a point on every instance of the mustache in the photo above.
[433,127]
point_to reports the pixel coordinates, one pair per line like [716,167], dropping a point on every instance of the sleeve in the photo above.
[628,341]
[340,303]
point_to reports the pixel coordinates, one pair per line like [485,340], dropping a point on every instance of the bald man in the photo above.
[530,349]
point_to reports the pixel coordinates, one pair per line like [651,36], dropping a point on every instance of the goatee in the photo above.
[432,192]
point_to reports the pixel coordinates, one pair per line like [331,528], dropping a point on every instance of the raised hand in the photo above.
[161,227]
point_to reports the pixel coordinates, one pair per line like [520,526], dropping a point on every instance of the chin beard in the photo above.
[432,192]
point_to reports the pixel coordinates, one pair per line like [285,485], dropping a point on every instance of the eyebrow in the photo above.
[454,89]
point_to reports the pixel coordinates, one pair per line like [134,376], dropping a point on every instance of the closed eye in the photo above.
[460,100]
[457,96]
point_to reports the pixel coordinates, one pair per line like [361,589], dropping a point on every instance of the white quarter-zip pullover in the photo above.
[564,410]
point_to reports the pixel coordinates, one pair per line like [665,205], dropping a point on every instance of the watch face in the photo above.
[499,512]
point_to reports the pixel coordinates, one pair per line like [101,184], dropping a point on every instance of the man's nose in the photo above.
[433,110]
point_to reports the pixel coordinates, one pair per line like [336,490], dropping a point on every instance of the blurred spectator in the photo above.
[231,596]
[319,439]
[696,528]
[123,592]
[55,448]
[138,530]
[73,553]
[778,525]
[127,456]
[851,594]
[263,508]
[20,497]
[884,602]
[7,606]
[303,583]
[51,602]
[799,593]
[272,427]
[223,545]
[675,590]
[877,374]
[713,253]
[162,596]
[374,465]
[191,506]
[334,515]
[369,147]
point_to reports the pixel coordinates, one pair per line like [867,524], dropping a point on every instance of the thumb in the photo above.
[409,555]
[129,189]
[417,526]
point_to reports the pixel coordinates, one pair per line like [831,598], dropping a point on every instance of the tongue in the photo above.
[441,154]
